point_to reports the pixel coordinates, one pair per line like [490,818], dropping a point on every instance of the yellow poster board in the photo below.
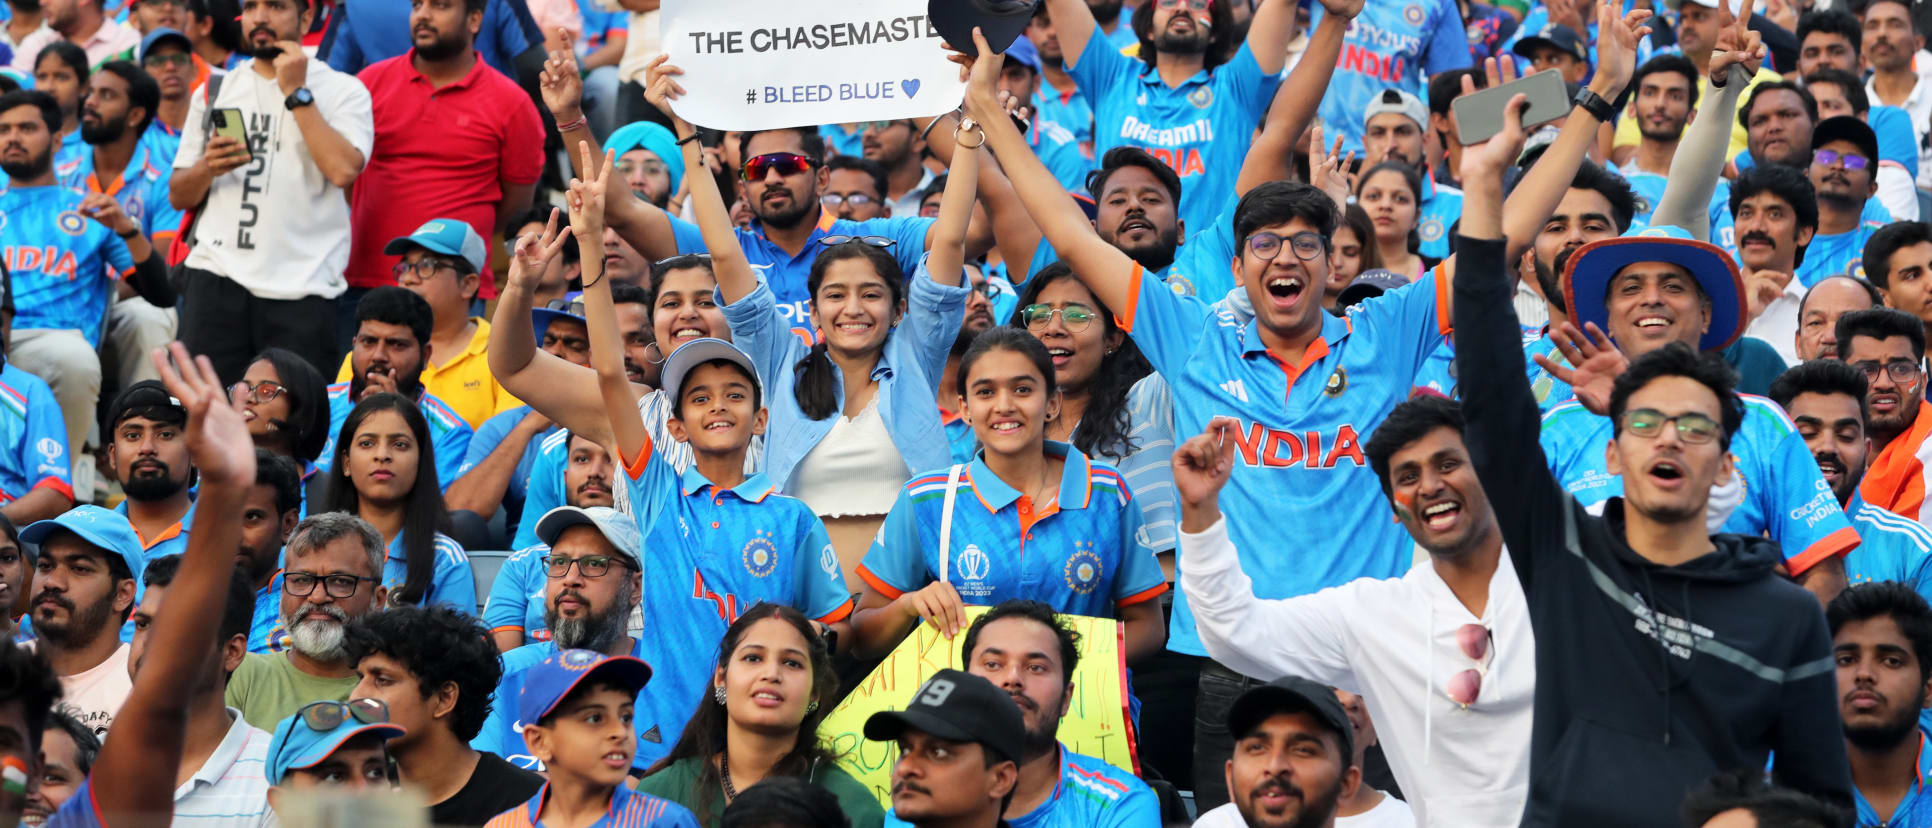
[1096,723]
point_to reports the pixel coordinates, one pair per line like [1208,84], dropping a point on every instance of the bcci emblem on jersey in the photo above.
[1413,15]
[70,222]
[761,557]
[1431,229]
[1202,97]
[1083,569]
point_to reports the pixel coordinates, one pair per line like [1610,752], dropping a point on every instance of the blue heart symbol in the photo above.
[911,86]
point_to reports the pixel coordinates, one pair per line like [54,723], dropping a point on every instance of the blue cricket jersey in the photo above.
[1300,428]
[1390,45]
[628,808]
[788,274]
[1436,219]
[1080,554]
[1912,811]
[1202,129]
[448,434]
[452,581]
[1785,496]
[1891,547]
[488,436]
[1837,254]
[840,142]
[1090,794]
[1068,108]
[502,732]
[33,436]
[142,189]
[1439,372]
[516,601]
[64,264]
[1649,187]
[1060,151]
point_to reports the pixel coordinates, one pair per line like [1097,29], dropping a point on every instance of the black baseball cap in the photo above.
[1554,36]
[1000,20]
[1293,694]
[1848,128]
[150,399]
[1368,285]
[960,707]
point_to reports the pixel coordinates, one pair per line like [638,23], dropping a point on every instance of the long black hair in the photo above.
[1413,179]
[704,734]
[308,402]
[1105,429]
[817,387]
[1221,44]
[424,514]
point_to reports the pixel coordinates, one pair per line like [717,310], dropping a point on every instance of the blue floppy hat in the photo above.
[571,306]
[1586,279]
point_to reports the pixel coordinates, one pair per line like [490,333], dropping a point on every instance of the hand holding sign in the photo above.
[660,90]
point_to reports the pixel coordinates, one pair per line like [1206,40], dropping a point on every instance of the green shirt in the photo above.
[678,782]
[267,688]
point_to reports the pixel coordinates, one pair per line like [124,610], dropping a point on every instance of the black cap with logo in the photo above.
[958,707]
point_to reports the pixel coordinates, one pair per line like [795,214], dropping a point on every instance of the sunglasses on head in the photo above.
[871,241]
[786,163]
[324,716]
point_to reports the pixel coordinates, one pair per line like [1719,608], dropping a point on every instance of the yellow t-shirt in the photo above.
[463,381]
[1627,135]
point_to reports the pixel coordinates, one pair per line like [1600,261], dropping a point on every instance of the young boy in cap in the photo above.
[959,751]
[576,706]
[340,745]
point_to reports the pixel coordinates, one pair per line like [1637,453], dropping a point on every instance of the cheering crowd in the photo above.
[1470,415]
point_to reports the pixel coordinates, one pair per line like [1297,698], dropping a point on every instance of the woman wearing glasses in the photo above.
[385,473]
[758,720]
[287,409]
[852,416]
[1094,363]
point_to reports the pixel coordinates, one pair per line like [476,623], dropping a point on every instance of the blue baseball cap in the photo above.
[296,745]
[448,236]
[569,307]
[546,684]
[1586,279]
[104,528]
[155,37]
[1023,53]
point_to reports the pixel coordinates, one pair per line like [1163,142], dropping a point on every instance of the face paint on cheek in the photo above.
[1404,505]
[13,776]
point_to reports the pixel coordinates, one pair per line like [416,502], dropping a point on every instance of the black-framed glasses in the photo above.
[786,163]
[592,566]
[424,268]
[261,393]
[1692,427]
[324,716]
[834,200]
[1075,317]
[169,59]
[1307,246]
[1825,158]
[1900,370]
[339,585]
[989,289]
[872,241]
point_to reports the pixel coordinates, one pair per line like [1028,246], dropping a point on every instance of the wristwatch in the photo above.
[1594,104]
[299,98]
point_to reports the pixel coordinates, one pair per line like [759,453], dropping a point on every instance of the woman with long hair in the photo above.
[1351,252]
[1034,519]
[759,720]
[287,409]
[1391,194]
[385,473]
[1094,363]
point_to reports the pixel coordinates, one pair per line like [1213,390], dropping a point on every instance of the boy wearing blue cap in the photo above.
[84,587]
[339,745]
[576,707]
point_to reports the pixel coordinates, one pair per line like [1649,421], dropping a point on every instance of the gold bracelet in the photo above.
[963,145]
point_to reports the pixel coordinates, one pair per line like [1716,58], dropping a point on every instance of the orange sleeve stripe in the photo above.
[879,584]
[1142,596]
[1127,314]
[1443,325]
[844,611]
[516,628]
[1831,546]
[56,484]
[635,468]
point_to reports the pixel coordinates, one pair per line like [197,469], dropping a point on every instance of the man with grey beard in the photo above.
[332,573]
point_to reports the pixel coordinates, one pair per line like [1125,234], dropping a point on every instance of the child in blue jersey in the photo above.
[385,473]
[721,540]
[576,707]
[1029,518]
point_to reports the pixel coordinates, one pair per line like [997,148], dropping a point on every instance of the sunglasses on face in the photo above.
[990,290]
[1192,5]
[1692,428]
[1075,317]
[325,716]
[834,200]
[1266,246]
[871,241]
[786,163]
[1825,158]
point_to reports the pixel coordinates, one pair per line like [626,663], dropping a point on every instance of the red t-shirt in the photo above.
[439,153]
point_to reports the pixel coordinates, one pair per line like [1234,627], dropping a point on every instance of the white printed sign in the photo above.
[768,64]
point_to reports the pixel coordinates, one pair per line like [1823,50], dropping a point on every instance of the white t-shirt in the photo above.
[276,225]
[94,696]
[1389,813]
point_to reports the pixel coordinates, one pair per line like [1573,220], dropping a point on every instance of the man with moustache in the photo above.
[1295,759]
[516,612]
[273,233]
[1826,402]
[898,146]
[145,445]
[1881,638]
[389,350]
[84,587]
[1058,99]
[960,744]
[1891,40]
[481,174]
[1775,211]
[86,23]
[333,574]
[1844,163]
[1023,648]
[1665,95]
[1824,304]
[269,515]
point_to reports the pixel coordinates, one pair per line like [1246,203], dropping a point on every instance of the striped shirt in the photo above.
[229,791]
[627,809]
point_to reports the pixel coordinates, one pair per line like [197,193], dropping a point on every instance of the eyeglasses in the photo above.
[265,391]
[300,584]
[834,200]
[592,566]
[1193,5]
[1474,640]
[873,241]
[1266,246]
[988,289]
[423,268]
[1075,317]
[324,716]
[786,163]
[172,58]
[1899,370]
[1692,428]
[1825,158]
[881,126]
[574,307]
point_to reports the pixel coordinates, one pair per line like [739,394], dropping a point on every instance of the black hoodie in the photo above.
[1649,678]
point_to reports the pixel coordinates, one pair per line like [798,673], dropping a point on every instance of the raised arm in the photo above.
[946,249]
[552,385]
[338,159]
[735,277]
[586,199]
[1014,232]
[1295,102]
[639,223]
[1269,32]
[1700,158]
[1098,264]
[1073,24]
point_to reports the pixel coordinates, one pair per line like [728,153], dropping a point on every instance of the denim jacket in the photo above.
[908,374]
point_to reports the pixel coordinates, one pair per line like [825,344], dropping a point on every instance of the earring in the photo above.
[717,692]
[811,707]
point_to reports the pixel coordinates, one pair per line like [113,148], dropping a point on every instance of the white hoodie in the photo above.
[1393,642]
